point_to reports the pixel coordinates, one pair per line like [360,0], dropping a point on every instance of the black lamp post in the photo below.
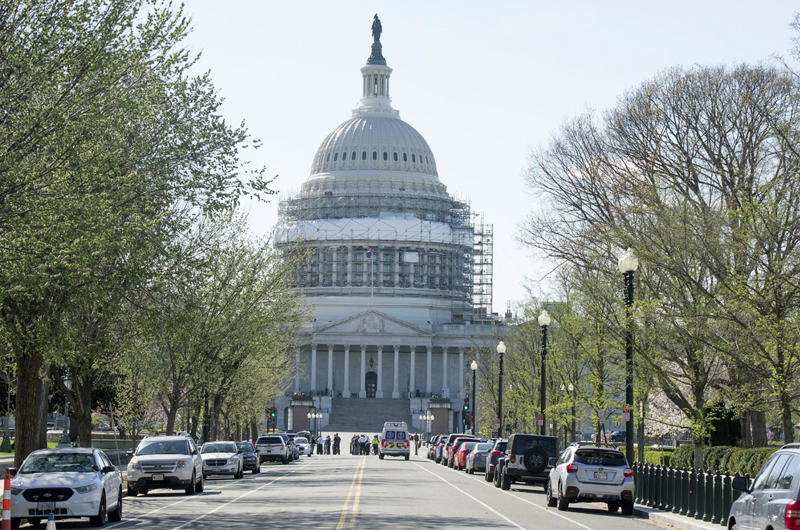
[628,263]
[501,350]
[65,440]
[474,368]
[544,321]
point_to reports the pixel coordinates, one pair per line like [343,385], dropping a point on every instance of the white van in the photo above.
[394,440]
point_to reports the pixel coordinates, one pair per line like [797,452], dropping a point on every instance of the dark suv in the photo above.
[491,461]
[528,458]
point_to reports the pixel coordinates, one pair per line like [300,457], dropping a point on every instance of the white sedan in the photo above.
[70,483]
[303,447]
[221,458]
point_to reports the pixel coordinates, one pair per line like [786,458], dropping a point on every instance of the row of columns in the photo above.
[395,379]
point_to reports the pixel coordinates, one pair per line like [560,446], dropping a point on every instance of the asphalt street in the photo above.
[349,492]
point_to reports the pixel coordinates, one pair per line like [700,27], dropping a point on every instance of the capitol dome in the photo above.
[374,142]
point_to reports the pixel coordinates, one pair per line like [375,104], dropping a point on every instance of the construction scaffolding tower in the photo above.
[483,270]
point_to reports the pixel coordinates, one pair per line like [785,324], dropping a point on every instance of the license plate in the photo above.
[600,476]
[161,477]
[46,506]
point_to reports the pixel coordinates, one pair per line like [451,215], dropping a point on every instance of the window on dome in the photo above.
[426,159]
[363,155]
[353,155]
[328,158]
[413,158]
[394,155]
[335,157]
[385,155]
[344,156]
[374,155]
[405,157]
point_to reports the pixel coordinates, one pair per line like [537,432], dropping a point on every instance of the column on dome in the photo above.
[313,368]
[445,387]
[363,392]
[346,383]
[379,390]
[428,370]
[395,389]
[461,372]
[329,388]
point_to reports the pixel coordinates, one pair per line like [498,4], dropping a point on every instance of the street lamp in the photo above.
[427,418]
[474,367]
[544,321]
[314,416]
[64,440]
[628,263]
[501,350]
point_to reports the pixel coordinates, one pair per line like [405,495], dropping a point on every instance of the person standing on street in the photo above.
[375,443]
[416,443]
[354,445]
[328,444]
[364,444]
[337,444]
[320,444]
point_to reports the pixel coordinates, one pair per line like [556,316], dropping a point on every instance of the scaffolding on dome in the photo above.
[483,270]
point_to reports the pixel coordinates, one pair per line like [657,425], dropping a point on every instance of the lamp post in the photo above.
[474,367]
[571,389]
[501,350]
[628,263]
[544,321]
[64,440]
[427,418]
[313,416]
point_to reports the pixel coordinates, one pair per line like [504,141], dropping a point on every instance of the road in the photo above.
[344,492]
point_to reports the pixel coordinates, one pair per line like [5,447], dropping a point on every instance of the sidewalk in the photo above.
[673,520]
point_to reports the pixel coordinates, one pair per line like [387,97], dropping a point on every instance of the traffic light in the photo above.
[273,412]
[466,403]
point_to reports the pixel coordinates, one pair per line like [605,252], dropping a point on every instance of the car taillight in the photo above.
[793,515]
[572,468]
[628,472]
[513,458]
[495,453]
[283,446]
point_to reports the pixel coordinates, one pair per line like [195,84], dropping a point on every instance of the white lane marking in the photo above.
[551,512]
[471,497]
[193,497]
[242,496]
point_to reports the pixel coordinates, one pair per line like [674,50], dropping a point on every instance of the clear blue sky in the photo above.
[483,82]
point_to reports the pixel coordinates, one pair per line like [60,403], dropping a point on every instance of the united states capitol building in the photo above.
[397,274]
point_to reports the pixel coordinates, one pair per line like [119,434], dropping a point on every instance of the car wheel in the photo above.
[487,476]
[380,456]
[144,492]
[496,478]
[284,460]
[132,492]
[191,489]
[613,507]
[116,515]
[471,471]
[551,500]
[407,456]
[505,481]
[563,503]
[201,486]
[627,507]
[16,522]
[100,518]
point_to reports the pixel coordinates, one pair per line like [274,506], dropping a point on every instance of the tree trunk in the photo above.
[746,440]
[42,399]
[171,414]
[786,418]
[206,432]
[698,453]
[254,430]
[759,423]
[27,417]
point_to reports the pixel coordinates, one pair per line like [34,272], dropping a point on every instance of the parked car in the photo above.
[491,459]
[303,447]
[439,450]
[528,458]
[221,458]
[171,462]
[273,448]
[773,498]
[247,452]
[70,483]
[432,446]
[451,439]
[586,473]
[462,450]
[287,439]
[476,459]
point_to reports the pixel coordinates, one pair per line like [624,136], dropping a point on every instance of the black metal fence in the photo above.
[699,494]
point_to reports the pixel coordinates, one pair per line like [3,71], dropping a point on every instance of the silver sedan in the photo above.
[476,459]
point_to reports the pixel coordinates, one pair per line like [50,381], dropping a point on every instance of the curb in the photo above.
[674,521]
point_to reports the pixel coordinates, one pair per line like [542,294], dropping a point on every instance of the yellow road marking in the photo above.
[359,469]
[354,513]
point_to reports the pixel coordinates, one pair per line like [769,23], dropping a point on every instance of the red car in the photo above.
[463,449]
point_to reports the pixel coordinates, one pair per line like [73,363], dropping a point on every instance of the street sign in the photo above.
[497,423]
[540,421]
[626,412]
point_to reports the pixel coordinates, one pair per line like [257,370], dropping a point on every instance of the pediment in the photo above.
[372,322]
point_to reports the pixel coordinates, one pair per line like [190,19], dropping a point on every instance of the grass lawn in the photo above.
[50,445]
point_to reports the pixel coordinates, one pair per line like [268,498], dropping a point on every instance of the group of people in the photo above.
[359,445]
[328,444]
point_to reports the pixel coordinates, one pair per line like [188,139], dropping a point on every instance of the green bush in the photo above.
[725,458]
[683,456]
[658,457]
[721,458]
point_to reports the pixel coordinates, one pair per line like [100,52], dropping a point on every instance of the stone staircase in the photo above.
[366,415]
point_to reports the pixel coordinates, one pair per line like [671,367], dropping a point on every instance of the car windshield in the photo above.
[600,458]
[501,446]
[483,447]
[219,448]
[163,447]
[270,440]
[246,447]
[300,440]
[59,463]
[524,443]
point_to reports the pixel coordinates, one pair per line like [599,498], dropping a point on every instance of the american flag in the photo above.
[369,255]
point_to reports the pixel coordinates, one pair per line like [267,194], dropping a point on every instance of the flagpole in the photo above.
[372,283]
